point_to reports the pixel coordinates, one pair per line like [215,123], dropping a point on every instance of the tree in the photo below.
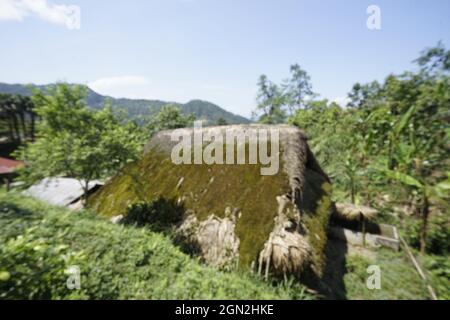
[169,117]
[270,102]
[222,122]
[435,59]
[274,101]
[417,155]
[10,114]
[363,95]
[74,141]
[18,114]
[439,192]
[297,89]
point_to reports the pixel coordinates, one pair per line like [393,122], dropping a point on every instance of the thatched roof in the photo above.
[209,191]
[348,211]
[296,154]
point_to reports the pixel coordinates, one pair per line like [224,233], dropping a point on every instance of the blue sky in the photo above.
[179,50]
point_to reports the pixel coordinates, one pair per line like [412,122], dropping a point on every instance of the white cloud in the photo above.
[120,86]
[18,10]
[9,11]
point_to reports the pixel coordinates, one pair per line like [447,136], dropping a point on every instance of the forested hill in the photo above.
[141,107]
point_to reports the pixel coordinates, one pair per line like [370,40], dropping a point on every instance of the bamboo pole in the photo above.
[419,270]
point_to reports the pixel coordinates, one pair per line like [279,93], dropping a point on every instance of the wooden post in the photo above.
[7,183]
[419,270]
[363,228]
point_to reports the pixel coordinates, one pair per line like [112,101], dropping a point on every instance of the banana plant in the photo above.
[394,135]
[439,192]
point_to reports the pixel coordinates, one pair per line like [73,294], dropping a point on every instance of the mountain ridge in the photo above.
[137,108]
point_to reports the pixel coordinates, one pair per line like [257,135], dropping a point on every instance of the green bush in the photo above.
[357,265]
[40,242]
[438,236]
[439,274]
[28,263]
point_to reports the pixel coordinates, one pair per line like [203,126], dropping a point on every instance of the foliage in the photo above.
[136,109]
[222,122]
[276,101]
[361,95]
[116,262]
[270,102]
[438,268]
[438,241]
[392,142]
[435,59]
[18,116]
[297,89]
[75,141]
[170,117]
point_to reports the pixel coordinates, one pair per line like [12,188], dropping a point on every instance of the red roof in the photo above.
[8,165]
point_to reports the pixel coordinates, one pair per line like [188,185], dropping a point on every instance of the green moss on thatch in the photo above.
[206,189]
[210,189]
[316,207]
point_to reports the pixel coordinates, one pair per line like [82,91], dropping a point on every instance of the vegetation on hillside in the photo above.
[134,109]
[75,141]
[41,242]
[387,148]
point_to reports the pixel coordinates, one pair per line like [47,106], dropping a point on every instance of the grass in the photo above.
[437,269]
[399,280]
[346,274]
[39,242]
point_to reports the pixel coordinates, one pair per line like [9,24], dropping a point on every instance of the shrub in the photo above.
[39,242]
[438,237]
[439,273]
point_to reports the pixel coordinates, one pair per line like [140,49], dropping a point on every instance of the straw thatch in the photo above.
[214,238]
[354,212]
[287,251]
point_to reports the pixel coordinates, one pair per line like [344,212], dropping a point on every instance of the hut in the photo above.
[356,225]
[234,213]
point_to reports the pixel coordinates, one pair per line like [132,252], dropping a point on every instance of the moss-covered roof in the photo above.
[210,189]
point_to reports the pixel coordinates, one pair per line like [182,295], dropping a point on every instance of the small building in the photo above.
[8,169]
[65,192]
[235,214]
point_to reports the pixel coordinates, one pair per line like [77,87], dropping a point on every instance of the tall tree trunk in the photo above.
[10,130]
[7,183]
[33,125]
[23,123]
[423,232]
[16,127]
